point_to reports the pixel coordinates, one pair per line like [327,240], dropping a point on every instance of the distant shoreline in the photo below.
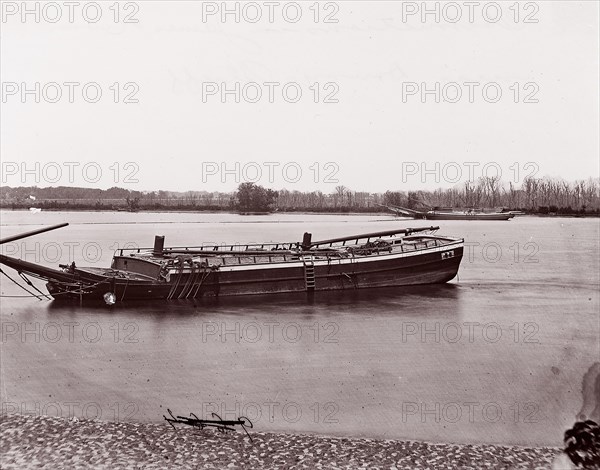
[299,211]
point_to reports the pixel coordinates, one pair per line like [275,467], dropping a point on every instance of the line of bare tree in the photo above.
[535,195]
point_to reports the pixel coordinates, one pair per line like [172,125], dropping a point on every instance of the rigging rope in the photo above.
[125,288]
[17,296]
[196,276]
[80,290]
[31,284]
[176,283]
[24,288]
[190,278]
[205,273]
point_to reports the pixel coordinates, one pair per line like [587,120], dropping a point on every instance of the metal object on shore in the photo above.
[221,425]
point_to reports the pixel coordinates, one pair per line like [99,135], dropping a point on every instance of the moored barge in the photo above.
[392,258]
[450,214]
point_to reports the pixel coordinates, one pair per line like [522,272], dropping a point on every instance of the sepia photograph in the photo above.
[300,234]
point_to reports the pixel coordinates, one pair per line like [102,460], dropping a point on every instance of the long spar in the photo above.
[406,231]
[25,235]
[31,233]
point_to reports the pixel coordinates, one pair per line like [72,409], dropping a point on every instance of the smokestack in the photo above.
[306,241]
[159,244]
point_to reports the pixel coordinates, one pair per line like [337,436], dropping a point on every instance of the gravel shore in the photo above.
[35,442]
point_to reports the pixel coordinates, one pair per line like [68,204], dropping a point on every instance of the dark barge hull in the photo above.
[427,266]
[458,216]
[440,215]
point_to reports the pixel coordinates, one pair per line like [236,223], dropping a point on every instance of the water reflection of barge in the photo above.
[381,259]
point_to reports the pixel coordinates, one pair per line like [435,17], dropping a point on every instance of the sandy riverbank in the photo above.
[34,442]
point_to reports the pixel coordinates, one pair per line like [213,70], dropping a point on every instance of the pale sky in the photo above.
[181,137]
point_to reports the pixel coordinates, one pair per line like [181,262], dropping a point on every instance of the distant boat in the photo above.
[450,214]
[399,257]
[467,215]
[255,213]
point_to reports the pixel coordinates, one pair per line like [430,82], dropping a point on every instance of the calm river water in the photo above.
[496,356]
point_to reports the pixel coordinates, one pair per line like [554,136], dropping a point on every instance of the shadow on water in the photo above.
[380,300]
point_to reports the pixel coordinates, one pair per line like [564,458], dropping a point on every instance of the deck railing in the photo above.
[241,254]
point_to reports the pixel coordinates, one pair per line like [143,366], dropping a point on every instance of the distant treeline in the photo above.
[535,195]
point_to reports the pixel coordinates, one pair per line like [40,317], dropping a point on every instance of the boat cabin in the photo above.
[136,265]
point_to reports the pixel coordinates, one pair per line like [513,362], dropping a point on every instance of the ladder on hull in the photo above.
[309,275]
